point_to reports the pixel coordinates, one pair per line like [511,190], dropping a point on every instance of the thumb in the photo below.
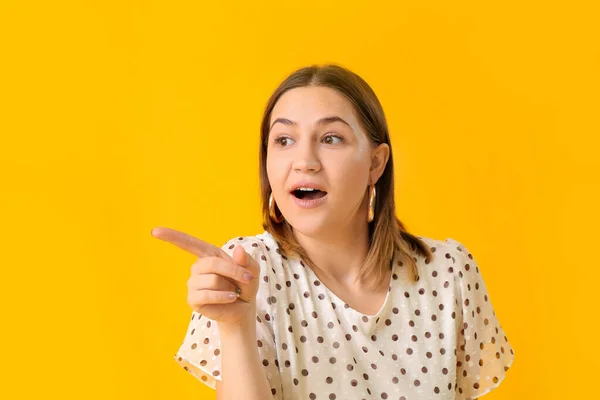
[240,256]
[243,259]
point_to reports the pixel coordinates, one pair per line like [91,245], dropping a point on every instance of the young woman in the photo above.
[341,302]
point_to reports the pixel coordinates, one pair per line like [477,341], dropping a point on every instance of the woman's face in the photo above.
[315,140]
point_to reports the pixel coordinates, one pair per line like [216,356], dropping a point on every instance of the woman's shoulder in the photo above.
[447,254]
[451,257]
[444,246]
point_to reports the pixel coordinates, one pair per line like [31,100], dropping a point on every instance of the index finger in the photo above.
[187,242]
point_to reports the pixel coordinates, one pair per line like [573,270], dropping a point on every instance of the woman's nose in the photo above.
[306,159]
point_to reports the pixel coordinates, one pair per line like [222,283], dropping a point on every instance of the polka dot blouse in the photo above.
[437,338]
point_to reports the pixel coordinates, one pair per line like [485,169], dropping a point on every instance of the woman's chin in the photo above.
[309,226]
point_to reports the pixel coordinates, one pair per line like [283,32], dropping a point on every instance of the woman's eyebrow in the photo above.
[322,121]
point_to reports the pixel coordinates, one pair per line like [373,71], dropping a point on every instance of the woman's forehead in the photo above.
[307,105]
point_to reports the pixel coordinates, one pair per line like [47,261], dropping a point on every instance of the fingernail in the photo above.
[233,296]
[248,277]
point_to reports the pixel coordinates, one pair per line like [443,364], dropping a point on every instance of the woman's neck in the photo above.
[337,255]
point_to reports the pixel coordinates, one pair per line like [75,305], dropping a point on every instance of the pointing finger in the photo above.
[187,242]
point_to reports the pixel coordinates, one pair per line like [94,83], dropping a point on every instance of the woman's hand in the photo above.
[215,276]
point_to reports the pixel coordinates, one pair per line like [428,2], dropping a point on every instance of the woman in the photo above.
[341,302]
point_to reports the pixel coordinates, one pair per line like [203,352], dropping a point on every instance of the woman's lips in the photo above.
[309,203]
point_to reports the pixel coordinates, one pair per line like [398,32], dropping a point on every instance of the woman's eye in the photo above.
[283,141]
[329,139]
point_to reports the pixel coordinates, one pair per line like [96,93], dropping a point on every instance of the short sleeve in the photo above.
[483,353]
[200,352]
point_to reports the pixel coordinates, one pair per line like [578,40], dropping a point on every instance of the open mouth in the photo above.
[308,194]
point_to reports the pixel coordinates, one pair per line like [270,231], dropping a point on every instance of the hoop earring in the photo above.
[272,213]
[372,204]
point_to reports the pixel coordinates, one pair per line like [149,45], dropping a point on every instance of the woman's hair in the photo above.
[387,234]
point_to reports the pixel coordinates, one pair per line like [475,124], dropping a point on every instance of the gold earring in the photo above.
[272,213]
[372,204]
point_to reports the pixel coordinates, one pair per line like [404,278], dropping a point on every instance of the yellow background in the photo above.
[118,116]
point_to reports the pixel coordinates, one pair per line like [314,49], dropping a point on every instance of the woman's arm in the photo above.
[243,376]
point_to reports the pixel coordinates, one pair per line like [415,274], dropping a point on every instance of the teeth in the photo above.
[306,189]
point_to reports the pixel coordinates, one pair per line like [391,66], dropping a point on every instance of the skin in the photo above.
[341,158]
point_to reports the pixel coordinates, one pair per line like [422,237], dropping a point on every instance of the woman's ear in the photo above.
[379,159]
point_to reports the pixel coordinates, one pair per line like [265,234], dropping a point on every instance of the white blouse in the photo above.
[437,338]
